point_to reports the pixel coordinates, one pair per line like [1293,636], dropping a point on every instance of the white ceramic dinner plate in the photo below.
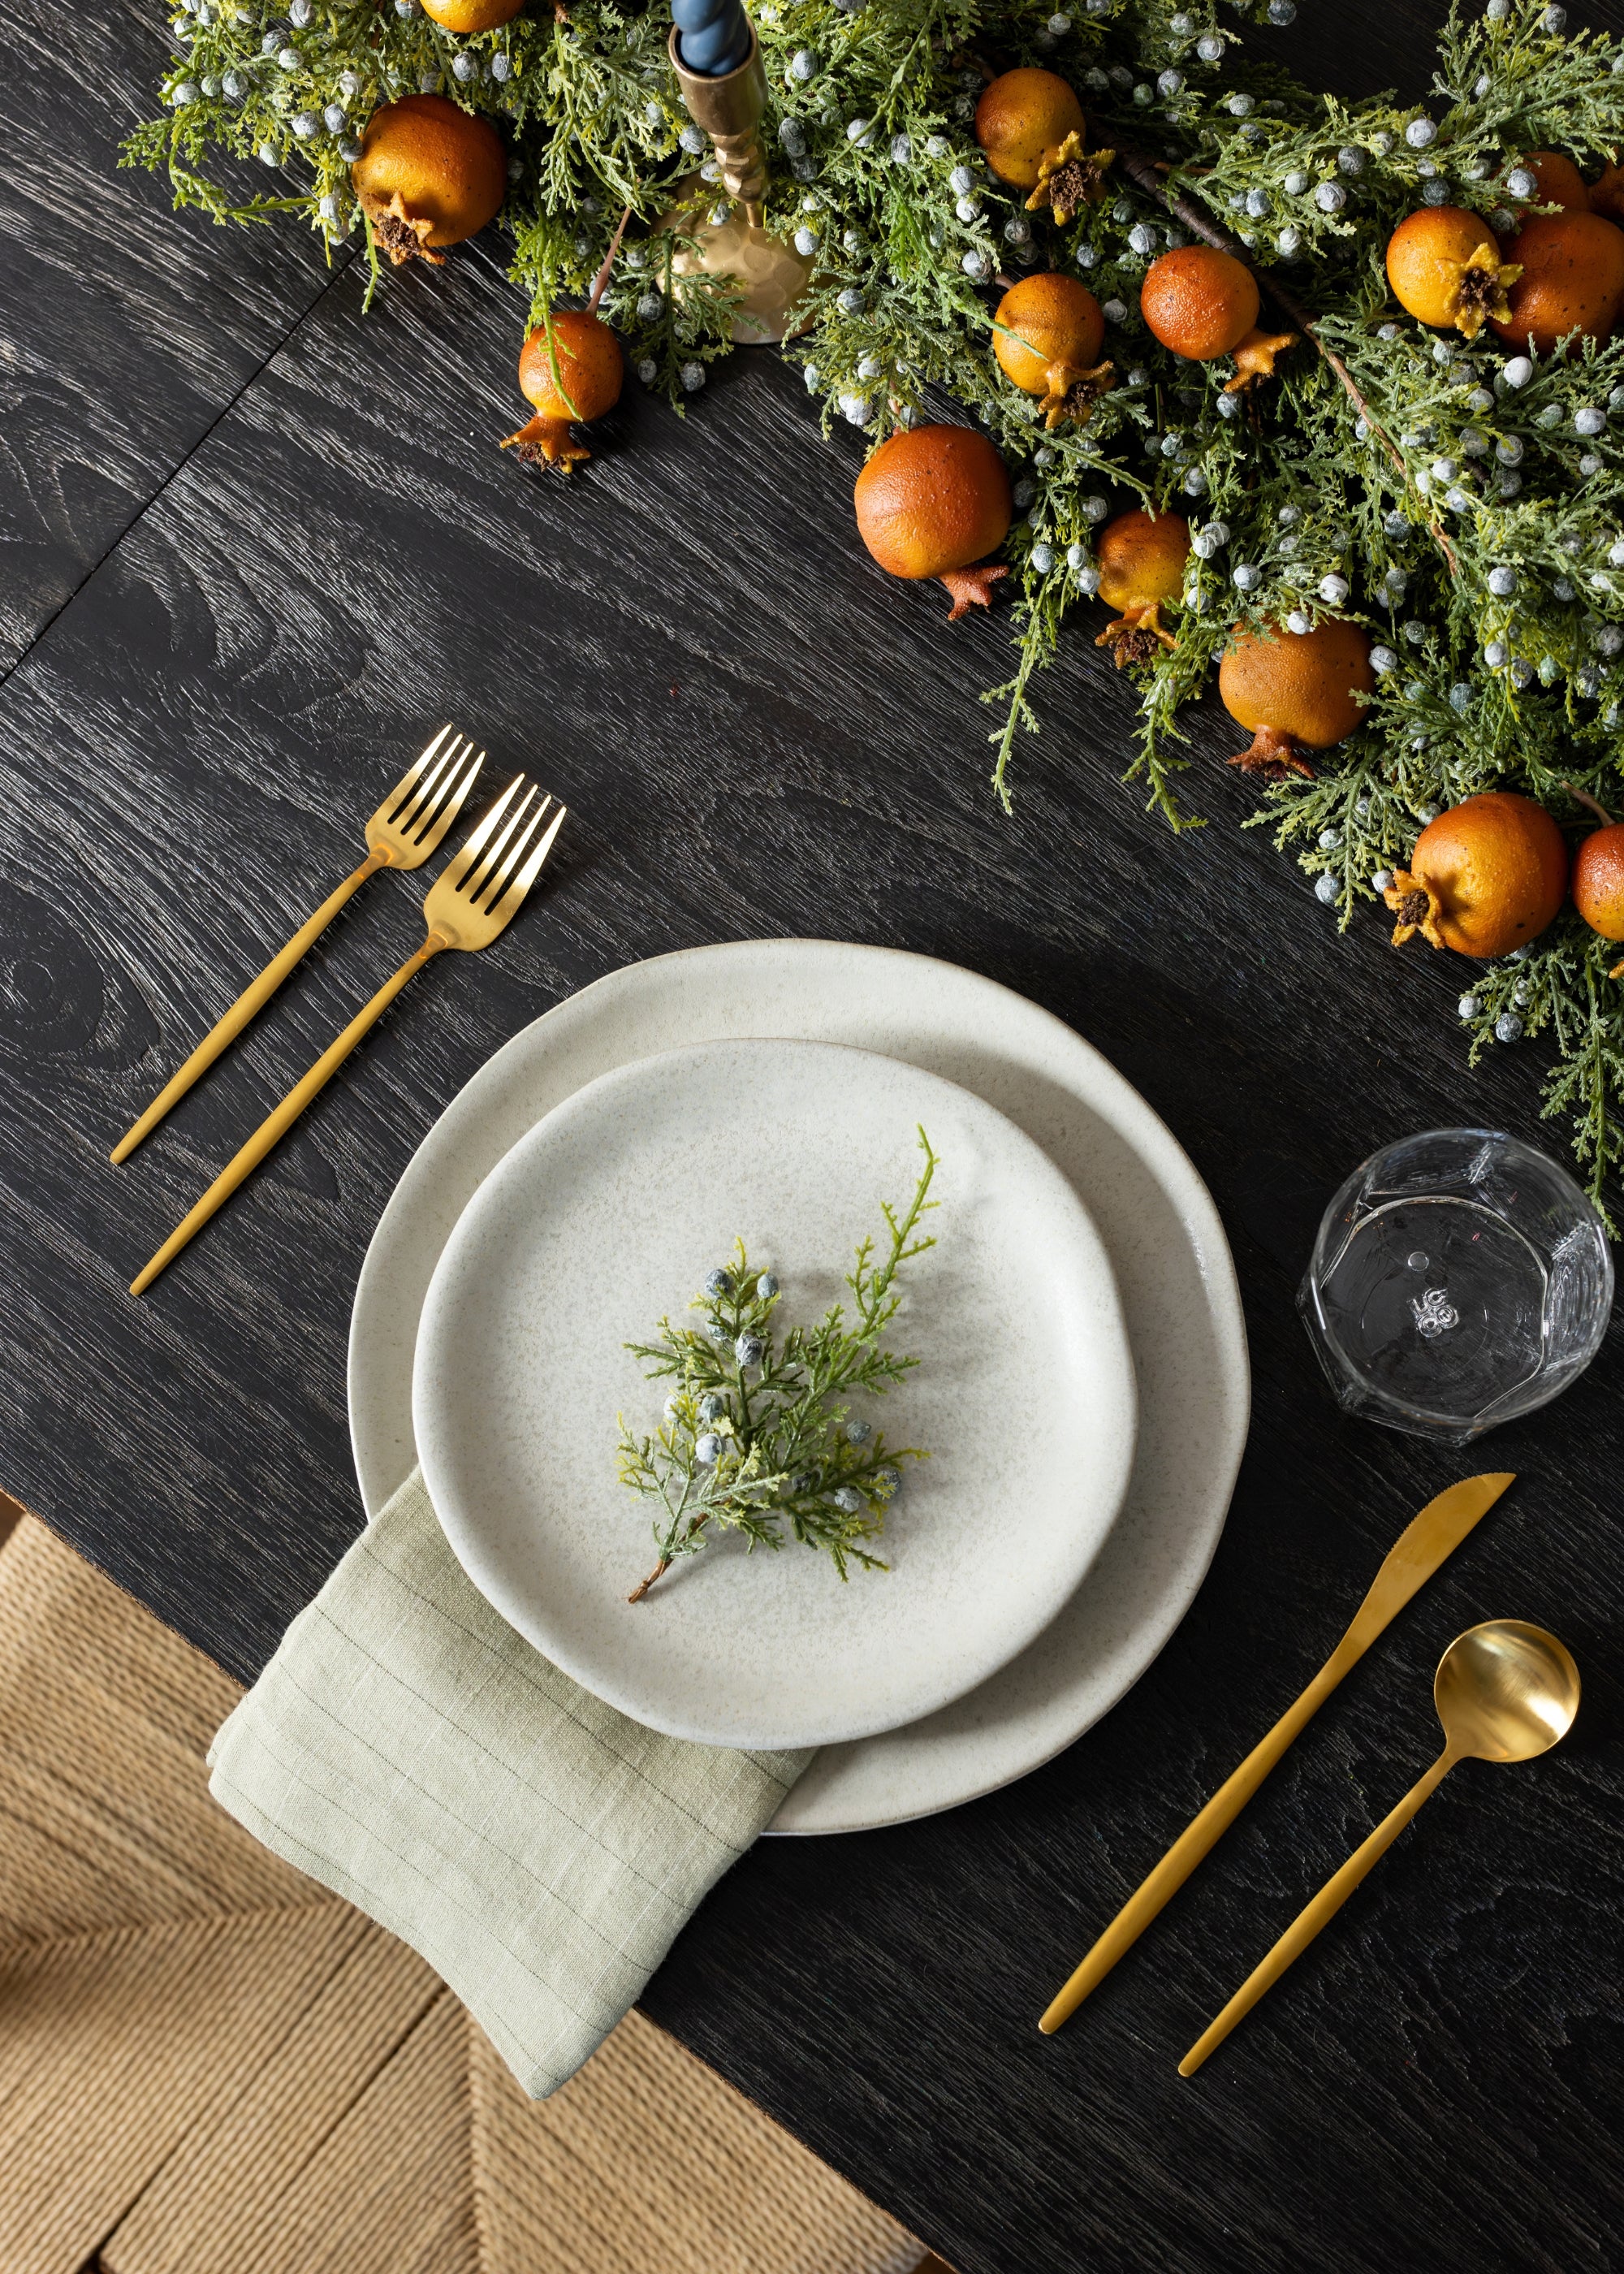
[1174,1275]
[605,1219]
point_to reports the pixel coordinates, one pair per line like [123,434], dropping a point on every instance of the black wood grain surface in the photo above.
[125,337]
[256,544]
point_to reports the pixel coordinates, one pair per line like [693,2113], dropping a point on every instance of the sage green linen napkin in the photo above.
[411,1751]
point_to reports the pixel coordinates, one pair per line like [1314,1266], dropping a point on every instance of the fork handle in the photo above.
[252,998]
[276,1124]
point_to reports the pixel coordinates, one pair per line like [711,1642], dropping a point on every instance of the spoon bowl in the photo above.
[1505,1691]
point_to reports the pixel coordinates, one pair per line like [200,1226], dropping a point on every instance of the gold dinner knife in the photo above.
[1425,1544]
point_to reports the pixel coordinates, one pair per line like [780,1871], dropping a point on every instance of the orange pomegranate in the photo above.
[1445,267]
[1559,180]
[466,17]
[1199,301]
[1024,118]
[1142,558]
[1606,194]
[428,175]
[1598,877]
[1572,279]
[932,502]
[1048,341]
[576,372]
[1485,877]
[1295,690]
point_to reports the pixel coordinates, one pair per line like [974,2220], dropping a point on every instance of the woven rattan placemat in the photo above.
[207,2062]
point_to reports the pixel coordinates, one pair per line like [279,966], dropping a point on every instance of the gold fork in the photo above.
[467,906]
[407,827]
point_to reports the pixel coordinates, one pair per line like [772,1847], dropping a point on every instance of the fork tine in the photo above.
[499,863]
[514,888]
[406,812]
[459,864]
[475,886]
[414,771]
[443,808]
[401,811]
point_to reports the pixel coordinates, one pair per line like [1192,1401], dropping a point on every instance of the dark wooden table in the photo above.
[253,543]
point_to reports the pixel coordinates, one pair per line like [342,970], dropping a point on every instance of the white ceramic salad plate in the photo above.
[607,1217]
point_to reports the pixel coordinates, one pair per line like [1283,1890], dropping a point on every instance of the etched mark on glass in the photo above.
[1435,1313]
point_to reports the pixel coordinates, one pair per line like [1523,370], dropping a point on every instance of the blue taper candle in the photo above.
[713,37]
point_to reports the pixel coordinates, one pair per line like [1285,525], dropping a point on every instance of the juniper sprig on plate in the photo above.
[756,1436]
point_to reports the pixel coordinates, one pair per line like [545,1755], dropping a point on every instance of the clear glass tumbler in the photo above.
[1460,1279]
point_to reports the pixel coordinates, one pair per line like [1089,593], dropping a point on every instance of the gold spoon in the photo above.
[1505,1692]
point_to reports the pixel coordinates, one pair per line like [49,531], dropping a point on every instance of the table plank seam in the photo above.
[178,468]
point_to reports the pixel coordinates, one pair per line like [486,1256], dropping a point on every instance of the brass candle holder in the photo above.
[773,275]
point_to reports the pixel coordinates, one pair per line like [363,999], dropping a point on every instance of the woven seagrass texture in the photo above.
[207,2063]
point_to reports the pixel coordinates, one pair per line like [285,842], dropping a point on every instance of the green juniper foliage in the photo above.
[757,1437]
[1457,499]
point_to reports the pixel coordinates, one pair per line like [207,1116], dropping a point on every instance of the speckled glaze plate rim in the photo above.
[905,1649]
[1173,1265]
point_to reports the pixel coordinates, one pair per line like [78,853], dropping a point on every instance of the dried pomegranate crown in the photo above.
[1273,754]
[1254,358]
[1481,292]
[1072,392]
[1068,180]
[1134,635]
[1417,908]
[547,442]
[403,235]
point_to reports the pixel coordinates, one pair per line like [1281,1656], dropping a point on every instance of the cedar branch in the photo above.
[1143,170]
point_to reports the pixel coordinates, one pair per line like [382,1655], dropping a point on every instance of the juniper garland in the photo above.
[757,1436]
[1460,501]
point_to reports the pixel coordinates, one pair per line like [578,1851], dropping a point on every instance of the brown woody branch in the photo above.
[1583,797]
[665,1564]
[600,282]
[644,1585]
